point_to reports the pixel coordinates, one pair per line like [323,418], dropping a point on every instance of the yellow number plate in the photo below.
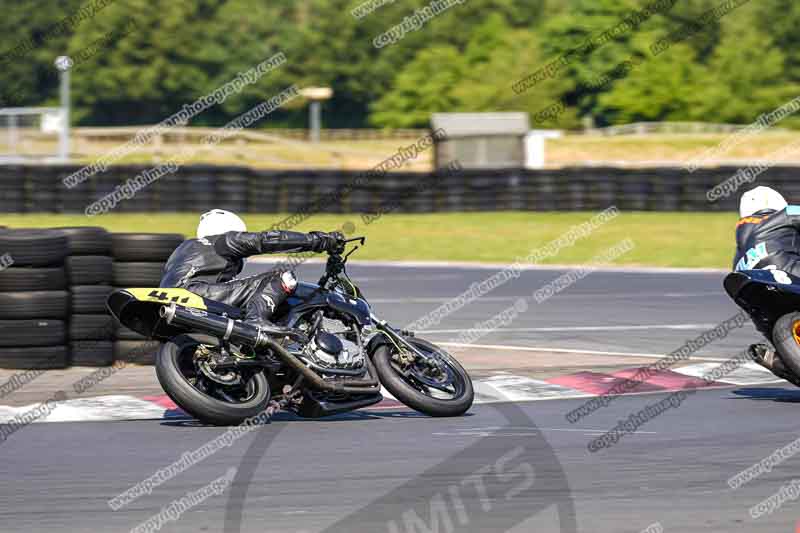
[168,296]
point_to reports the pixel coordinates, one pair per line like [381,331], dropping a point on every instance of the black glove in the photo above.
[327,242]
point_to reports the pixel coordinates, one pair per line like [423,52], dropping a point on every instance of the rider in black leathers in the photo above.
[208,265]
[768,237]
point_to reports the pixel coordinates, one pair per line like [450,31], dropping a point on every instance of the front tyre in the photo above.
[786,339]
[208,401]
[436,386]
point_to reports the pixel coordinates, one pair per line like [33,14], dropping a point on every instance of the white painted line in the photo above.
[563,350]
[747,374]
[583,328]
[105,408]
[387,395]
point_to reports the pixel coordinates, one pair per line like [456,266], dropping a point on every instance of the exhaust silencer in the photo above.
[225,328]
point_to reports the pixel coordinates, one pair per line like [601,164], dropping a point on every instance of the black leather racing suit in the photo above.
[769,239]
[208,267]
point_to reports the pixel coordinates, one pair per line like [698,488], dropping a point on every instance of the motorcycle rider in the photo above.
[208,265]
[768,237]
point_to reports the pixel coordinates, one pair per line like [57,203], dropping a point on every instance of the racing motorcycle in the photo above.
[772,299]
[327,354]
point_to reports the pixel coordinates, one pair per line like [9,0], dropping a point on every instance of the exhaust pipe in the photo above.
[222,327]
[243,333]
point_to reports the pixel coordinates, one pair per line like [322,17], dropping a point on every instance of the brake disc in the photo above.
[228,378]
[204,365]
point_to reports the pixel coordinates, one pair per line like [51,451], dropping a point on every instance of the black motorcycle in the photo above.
[328,353]
[772,299]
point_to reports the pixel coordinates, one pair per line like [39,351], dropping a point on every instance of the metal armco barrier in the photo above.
[196,188]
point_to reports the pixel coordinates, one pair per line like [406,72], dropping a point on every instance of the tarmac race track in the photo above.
[505,467]
[627,312]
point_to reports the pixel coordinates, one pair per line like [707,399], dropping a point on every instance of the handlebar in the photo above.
[336,262]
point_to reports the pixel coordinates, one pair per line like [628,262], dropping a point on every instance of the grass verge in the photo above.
[661,239]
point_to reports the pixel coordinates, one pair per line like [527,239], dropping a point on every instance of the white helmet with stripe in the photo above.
[217,222]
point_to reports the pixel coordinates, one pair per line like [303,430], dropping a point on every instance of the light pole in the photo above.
[317,95]
[64,64]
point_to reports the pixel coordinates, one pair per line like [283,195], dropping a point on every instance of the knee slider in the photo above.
[288,282]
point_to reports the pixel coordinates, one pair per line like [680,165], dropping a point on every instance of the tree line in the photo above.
[141,60]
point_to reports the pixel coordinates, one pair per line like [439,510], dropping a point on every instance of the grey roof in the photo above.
[479,124]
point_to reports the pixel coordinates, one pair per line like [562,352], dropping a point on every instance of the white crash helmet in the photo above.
[759,199]
[217,222]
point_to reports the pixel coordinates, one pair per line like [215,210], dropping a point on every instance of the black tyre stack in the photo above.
[34,301]
[139,260]
[89,268]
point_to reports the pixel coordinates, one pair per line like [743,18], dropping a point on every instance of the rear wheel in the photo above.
[226,400]
[786,338]
[436,385]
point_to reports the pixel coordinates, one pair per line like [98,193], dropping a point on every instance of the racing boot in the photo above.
[767,357]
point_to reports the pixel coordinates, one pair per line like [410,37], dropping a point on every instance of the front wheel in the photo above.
[786,339]
[436,385]
[213,401]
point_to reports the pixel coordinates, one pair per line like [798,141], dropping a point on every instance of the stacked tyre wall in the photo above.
[139,260]
[54,285]
[196,188]
[34,301]
[89,276]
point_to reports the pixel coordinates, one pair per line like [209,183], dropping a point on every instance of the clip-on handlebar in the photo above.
[335,264]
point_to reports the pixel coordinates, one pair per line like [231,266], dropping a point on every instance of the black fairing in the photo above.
[763,297]
[141,317]
[317,405]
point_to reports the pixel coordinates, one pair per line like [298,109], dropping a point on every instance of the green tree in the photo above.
[477,78]
[28,75]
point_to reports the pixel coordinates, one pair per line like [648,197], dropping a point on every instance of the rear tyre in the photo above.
[174,368]
[414,392]
[786,339]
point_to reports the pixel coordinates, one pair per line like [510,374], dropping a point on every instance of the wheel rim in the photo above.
[441,383]
[233,394]
[796,332]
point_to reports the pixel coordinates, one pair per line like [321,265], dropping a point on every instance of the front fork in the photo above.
[398,340]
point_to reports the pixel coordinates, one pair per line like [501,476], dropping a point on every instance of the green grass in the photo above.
[661,239]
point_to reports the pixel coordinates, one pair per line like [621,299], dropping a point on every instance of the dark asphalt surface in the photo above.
[505,467]
[374,473]
[628,312]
